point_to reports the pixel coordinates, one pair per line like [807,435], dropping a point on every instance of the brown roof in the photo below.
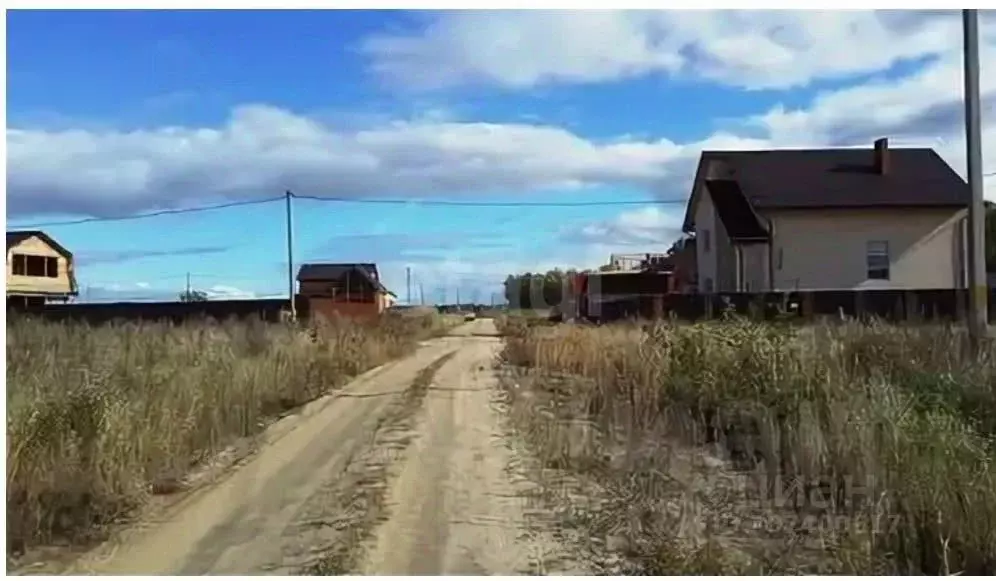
[311,272]
[838,178]
[15,237]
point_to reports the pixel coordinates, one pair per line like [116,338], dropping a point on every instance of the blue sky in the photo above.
[117,113]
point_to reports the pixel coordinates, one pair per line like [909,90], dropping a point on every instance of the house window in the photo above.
[781,258]
[877,259]
[708,284]
[41,266]
[20,265]
[706,241]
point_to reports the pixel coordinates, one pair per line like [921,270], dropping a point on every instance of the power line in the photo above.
[498,204]
[375,201]
[152,214]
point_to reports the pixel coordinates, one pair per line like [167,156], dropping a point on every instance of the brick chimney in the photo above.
[882,156]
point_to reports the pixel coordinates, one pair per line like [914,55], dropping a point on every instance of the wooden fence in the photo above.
[892,305]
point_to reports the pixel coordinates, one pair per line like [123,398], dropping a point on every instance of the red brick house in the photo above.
[345,290]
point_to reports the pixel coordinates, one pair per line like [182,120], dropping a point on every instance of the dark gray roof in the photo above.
[735,212]
[338,272]
[839,178]
[15,237]
[329,271]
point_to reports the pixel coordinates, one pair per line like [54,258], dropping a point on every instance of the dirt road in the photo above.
[402,472]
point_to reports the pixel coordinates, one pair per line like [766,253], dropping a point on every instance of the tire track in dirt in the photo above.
[457,506]
[406,471]
[245,522]
[358,494]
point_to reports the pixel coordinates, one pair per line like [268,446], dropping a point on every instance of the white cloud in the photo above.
[224,292]
[648,227]
[924,109]
[755,49]
[263,150]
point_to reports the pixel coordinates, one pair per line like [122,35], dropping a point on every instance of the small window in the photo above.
[36,265]
[41,266]
[20,265]
[781,258]
[708,285]
[706,241]
[877,259]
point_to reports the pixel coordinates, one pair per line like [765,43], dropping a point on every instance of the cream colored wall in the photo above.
[719,262]
[755,258]
[826,249]
[386,301]
[36,246]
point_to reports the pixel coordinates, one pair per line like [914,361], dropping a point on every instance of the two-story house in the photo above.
[39,270]
[347,290]
[828,219]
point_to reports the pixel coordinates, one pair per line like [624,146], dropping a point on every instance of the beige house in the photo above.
[831,219]
[39,269]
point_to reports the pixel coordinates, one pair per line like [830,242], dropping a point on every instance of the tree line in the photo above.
[538,290]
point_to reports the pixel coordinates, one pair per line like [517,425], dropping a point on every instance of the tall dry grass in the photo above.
[96,416]
[892,427]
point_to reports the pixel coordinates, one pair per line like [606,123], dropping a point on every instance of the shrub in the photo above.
[98,416]
[901,410]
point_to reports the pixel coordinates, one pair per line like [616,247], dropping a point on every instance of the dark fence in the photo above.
[177,312]
[893,305]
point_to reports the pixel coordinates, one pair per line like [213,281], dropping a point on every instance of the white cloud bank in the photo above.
[262,150]
[748,49]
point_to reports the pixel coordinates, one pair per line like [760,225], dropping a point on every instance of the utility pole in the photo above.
[421,294]
[408,281]
[188,286]
[290,255]
[977,284]
[458,298]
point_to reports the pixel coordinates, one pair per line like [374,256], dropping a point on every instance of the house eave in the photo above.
[688,224]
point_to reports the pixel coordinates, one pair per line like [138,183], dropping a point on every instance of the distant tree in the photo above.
[193,296]
[536,291]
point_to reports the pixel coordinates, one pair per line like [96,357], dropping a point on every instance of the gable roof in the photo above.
[15,237]
[338,271]
[335,271]
[836,178]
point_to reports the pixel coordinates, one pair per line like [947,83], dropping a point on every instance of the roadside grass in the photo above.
[101,417]
[863,448]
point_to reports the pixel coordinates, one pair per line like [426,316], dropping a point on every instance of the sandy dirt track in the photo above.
[403,478]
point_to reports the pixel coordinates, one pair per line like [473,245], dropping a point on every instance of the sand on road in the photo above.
[454,508]
[404,471]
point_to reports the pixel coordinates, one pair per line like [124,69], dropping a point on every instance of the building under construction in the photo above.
[633,286]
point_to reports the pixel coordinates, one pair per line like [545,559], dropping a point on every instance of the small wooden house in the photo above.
[347,290]
[39,270]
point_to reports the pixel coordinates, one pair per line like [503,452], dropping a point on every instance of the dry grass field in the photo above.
[740,447]
[99,418]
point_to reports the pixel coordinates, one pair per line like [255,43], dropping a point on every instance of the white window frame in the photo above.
[877,264]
